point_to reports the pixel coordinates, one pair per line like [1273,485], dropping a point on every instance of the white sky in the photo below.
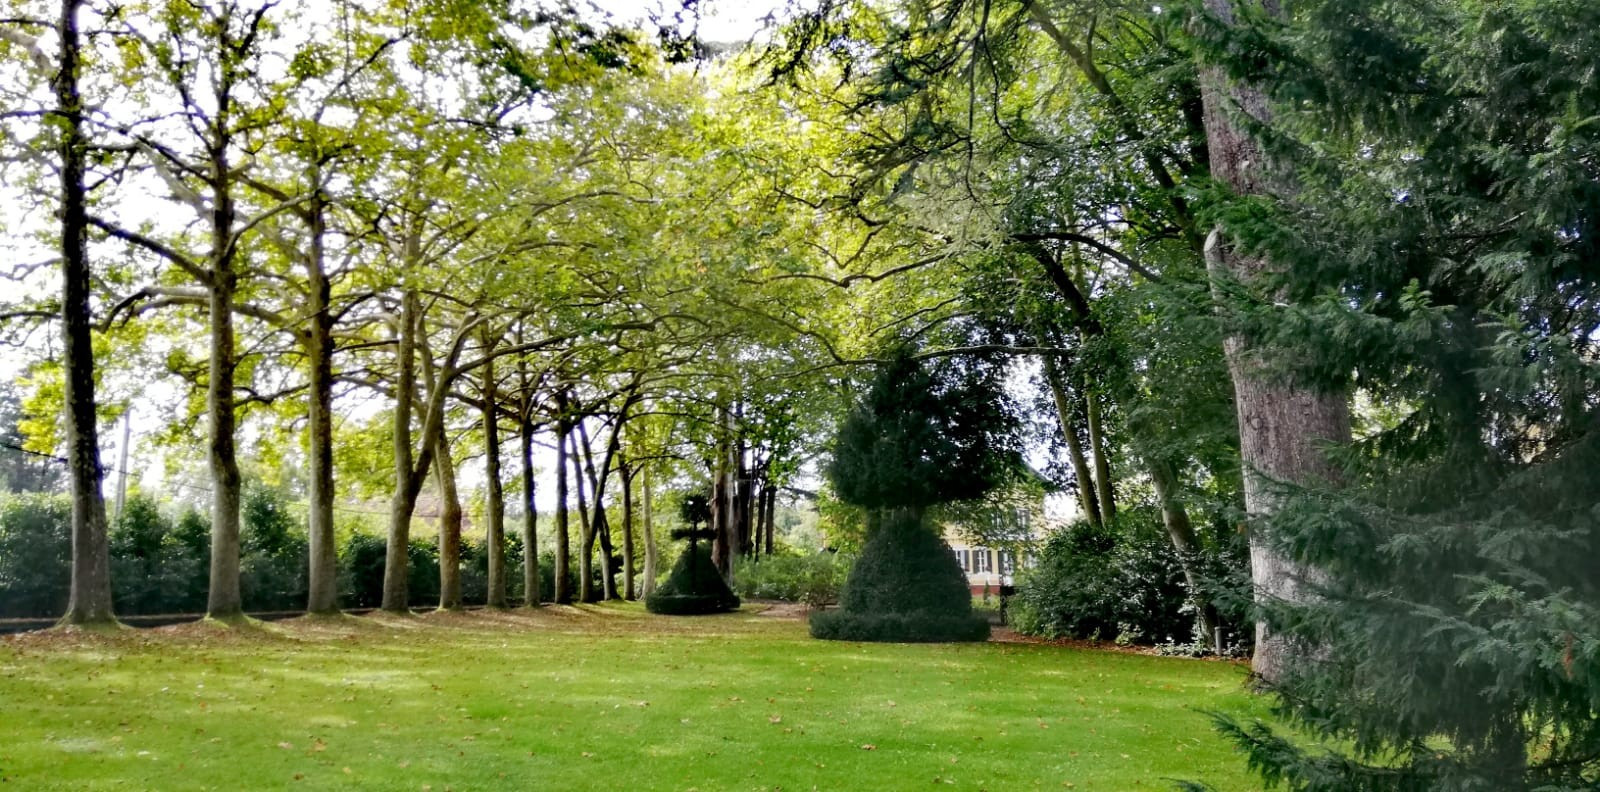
[720,20]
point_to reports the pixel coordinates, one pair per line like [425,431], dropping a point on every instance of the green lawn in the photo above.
[595,698]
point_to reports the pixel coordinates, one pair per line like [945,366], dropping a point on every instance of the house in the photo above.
[987,568]
[992,537]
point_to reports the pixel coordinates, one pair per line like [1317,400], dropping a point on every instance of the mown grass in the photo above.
[595,698]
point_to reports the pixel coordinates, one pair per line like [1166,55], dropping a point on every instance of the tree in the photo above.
[1284,422]
[917,439]
[1434,251]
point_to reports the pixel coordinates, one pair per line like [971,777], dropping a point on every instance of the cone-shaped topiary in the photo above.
[905,587]
[694,587]
[920,437]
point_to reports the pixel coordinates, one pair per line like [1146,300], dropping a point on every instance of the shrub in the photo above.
[154,569]
[906,586]
[273,552]
[815,579]
[35,553]
[1119,582]
[693,587]
[361,561]
[547,578]
[918,627]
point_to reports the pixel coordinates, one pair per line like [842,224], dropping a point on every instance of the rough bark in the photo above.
[89,599]
[563,535]
[407,484]
[1088,501]
[1282,423]
[1105,489]
[494,507]
[1164,476]
[599,522]
[317,339]
[450,514]
[223,599]
[530,522]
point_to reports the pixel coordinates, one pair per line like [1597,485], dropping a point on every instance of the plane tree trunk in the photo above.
[450,514]
[89,598]
[322,567]
[494,507]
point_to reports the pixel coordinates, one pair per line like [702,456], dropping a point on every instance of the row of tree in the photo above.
[350,227]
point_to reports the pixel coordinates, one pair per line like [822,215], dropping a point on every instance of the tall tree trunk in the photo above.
[651,552]
[1164,476]
[585,526]
[563,535]
[223,600]
[772,514]
[450,514]
[89,599]
[598,522]
[627,475]
[1102,458]
[494,507]
[743,500]
[1088,501]
[322,568]
[722,546]
[1282,423]
[396,564]
[530,522]
[608,552]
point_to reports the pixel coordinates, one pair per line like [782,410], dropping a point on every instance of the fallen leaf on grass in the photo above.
[869,747]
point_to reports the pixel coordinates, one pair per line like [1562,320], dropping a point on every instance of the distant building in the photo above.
[993,539]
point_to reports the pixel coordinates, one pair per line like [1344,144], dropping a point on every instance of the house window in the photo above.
[1008,562]
[980,560]
[961,558]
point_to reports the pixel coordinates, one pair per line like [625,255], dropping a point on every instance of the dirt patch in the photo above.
[793,611]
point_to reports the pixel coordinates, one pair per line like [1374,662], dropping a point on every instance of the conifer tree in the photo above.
[1441,245]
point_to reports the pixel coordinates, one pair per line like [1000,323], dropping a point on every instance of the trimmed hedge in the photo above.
[694,587]
[906,587]
[918,627]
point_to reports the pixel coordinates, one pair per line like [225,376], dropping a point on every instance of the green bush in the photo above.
[35,553]
[918,627]
[361,562]
[1117,582]
[273,552]
[906,586]
[154,568]
[815,579]
[694,587]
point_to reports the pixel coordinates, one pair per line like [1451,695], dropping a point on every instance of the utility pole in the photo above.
[122,464]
